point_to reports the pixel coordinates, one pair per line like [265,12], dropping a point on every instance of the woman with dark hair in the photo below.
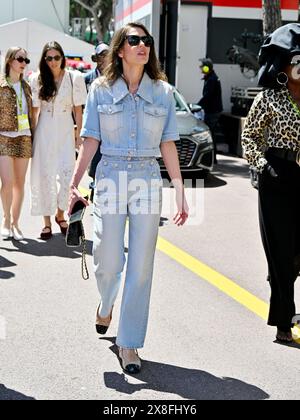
[131,111]
[272,147]
[57,93]
[15,139]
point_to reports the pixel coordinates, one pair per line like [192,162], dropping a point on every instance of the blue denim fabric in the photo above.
[112,208]
[131,125]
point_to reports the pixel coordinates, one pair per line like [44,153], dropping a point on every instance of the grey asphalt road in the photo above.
[201,344]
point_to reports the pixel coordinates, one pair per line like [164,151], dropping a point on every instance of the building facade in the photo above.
[188,30]
[54,13]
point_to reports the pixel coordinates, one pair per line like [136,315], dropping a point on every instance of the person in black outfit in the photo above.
[100,57]
[271,143]
[211,101]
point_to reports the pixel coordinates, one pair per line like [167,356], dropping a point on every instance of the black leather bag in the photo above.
[75,234]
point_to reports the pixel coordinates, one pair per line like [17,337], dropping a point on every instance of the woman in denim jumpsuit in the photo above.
[132,112]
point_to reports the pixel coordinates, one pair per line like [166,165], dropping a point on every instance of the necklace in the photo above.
[133,91]
[293,103]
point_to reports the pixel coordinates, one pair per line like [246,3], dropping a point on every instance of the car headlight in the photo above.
[202,137]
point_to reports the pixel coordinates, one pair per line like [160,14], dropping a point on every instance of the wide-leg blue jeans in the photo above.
[127,189]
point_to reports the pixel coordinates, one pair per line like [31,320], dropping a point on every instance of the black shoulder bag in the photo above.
[75,235]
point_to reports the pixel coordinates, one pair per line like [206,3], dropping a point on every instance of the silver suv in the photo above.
[195,147]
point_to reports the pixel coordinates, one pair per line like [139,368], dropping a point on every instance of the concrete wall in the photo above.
[39,10]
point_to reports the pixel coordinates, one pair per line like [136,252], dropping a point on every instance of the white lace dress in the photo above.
[53,159]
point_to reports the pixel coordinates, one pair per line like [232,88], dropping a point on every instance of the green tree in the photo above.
[100,10]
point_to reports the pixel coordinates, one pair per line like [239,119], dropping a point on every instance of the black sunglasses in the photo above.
[134,40]
[50,58]
[22,59]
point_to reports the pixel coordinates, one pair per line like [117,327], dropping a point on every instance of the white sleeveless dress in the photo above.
[53,159]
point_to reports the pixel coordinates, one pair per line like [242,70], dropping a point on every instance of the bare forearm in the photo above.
[35,117]
[78,117]
[170,157]
[171,161]
[86,154]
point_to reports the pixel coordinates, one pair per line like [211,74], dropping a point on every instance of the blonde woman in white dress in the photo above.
[57,94]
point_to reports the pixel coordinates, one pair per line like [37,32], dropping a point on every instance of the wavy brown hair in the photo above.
[114,70]
[10,56]
[48,89]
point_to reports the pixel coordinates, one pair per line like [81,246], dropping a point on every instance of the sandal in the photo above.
[45,236]
[62,228]
[284,337]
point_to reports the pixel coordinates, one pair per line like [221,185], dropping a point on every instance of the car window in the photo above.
[181,105]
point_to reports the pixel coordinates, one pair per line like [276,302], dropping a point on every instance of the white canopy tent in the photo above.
[33,36]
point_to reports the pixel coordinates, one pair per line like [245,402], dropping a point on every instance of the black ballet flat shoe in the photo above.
[132,364]
[102,324]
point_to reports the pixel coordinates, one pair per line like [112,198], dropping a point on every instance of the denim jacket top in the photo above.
[131,125]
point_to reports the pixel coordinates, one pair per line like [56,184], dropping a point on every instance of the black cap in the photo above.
[276,52]
[207,62]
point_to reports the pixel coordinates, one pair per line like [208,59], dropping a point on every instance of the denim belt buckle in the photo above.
[298,158]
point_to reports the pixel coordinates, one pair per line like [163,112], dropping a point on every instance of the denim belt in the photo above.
[127,159]
[291,155]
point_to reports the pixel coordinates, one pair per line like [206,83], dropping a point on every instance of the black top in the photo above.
[211,101]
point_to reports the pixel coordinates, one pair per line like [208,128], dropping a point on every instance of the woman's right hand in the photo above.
[75,196]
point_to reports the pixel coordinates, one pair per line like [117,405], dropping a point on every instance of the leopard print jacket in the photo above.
[8,105]
[272,122]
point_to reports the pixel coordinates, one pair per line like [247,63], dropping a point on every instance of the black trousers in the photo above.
[279,214]
[212,121]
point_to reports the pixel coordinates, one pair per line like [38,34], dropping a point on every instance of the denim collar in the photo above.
[120,89]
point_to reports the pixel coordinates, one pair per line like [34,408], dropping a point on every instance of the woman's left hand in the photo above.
[182,209]
[78,142]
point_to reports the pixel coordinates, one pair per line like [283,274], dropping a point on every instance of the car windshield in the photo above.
[181,105]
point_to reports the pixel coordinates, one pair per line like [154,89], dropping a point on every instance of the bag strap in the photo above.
[84,268]
[72,83]
[71,79]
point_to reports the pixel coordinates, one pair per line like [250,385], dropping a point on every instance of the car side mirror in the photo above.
[195,108]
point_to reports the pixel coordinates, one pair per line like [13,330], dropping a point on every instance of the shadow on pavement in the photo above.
[186,383]
[212,181]
[191,180]
[55,247]
[4,263]
[9,395]
[232,168]
[293,344]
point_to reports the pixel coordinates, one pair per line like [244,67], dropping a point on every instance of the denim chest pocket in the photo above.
[154,119]
[111,118]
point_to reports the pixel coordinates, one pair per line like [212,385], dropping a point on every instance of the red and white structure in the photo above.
[188,30]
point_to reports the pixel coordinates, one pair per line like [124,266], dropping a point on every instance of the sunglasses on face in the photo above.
[295,62]
[49,58]
[22,60]
[135,40]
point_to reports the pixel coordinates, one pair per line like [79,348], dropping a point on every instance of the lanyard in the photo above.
[19,100]
[293,103]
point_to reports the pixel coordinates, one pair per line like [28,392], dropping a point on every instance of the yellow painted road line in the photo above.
[224,284]
[216,279]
